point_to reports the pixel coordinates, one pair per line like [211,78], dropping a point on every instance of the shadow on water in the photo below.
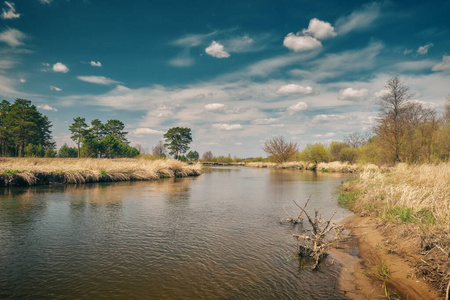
[211,237]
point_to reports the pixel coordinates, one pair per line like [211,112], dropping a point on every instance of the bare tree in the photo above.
[447,110]
[391,124]
[356,139]
[159,150]
[207,156]
[280,150]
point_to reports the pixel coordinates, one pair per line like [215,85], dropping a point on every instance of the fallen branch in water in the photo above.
[295,220]
[315,245]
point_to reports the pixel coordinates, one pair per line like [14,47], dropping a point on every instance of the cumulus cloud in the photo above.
[47,107]
[359,19]
[326,118]
[10,12]
[299,43]
[268,121]
[22,80]
[215,107]
[95,63]
[294,89]
[12,37]
[353,94]
[60,67]
[443,65]
[319,29]
[407,51]
[228,127]
[98,80]
[54,88]
[300,106]
[424,49]
[143,131]
[217,50]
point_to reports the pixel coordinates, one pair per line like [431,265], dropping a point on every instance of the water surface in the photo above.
[217,236]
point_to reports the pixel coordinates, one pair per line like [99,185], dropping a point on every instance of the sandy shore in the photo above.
[371,244]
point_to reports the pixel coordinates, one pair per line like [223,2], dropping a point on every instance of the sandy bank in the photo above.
[374,247]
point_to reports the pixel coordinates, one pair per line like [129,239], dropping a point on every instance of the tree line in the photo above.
[24,131]
[406,131]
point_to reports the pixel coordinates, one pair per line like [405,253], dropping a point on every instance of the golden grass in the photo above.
[93,170]
[335,166]
[420,188]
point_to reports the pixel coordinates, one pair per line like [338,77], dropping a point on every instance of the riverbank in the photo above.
[40,171]
[331,167]
[401,228]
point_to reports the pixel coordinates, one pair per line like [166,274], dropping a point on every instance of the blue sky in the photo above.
[236,72]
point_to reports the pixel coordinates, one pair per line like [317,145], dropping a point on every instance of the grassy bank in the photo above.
[335,166]
[36,171]
[414,202]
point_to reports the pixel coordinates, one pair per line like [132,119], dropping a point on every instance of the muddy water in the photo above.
[217,236]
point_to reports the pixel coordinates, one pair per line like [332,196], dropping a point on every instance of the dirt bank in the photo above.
[378,263]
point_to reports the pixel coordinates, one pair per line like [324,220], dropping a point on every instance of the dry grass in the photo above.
[335,166]
[423,188]
[417,196]
[93,170]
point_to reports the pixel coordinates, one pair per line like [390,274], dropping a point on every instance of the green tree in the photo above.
[335,149]
[50,153]
[178,140]
[78,130]
[66,151]
[115,128]
[192,155]
[315,153]
[4,128]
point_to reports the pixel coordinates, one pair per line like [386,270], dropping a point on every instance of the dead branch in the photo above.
[294,220]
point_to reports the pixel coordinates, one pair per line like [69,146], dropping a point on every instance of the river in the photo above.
[216,236]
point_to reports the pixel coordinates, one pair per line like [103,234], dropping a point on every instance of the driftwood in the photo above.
[294,220]
[315,245]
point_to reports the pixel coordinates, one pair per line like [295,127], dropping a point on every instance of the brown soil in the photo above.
[370,244]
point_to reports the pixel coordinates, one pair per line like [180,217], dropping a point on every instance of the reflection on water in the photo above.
[209,237]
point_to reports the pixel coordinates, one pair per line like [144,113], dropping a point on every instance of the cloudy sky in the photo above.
[236,72]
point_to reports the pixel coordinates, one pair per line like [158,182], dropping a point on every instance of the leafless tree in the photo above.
[356,139]
[207,156]
[391,127]
[280,150]
[159,150]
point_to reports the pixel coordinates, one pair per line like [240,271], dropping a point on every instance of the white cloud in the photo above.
[193,40]
[381,93]
[327,118]
[326,135]
[54,88]
[98,80]
[353,94]
[12,37]
[407,51]
[60,67]
[358,20]
[444,65]
[46,1]
[23,80]
[424,49]
[142,131]
[95,63]
[10,13]
[299,43]
[183,59]
[300,106]
[216,107]
[319,29]
[294,89]
[239,44]
[268,121]
[228,127]
[217,50]
[47,107]
[413,66]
